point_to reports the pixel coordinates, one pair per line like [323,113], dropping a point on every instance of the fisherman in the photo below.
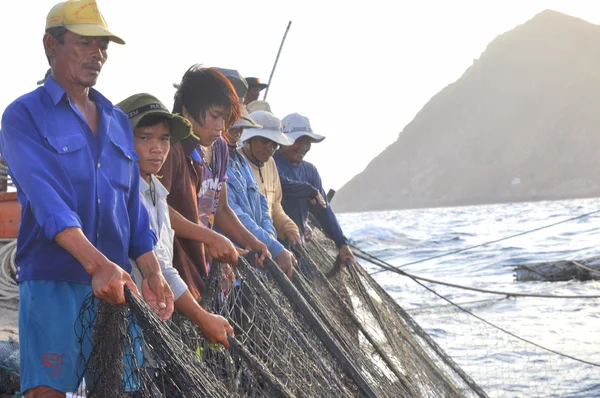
[194,173]
[259,146]
[245,196]
[155,129]
[291,164]
[71,157]
[254,89]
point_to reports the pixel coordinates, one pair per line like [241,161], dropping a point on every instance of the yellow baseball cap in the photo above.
[81,17]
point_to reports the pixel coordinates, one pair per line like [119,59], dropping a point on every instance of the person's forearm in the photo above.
[186,229]
[148,264]
[190,308]
[77,244]
[229,223]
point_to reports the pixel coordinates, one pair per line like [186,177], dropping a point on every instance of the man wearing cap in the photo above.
[71,156]
[291,164]
[245,196]
[254,89]
[195,172]
[154,130]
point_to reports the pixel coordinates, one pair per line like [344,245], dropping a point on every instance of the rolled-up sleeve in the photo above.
[38,173]
[175,282]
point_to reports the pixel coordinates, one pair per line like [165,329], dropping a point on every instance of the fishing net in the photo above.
[9,366]
[476,330]
[391,350]
[274,352]
[129,349]
[310,337]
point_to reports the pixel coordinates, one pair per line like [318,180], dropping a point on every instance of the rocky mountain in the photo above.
[521,124]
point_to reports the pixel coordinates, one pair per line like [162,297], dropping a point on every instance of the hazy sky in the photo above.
[359,70]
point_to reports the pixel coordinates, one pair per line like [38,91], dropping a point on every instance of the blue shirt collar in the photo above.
[57,93]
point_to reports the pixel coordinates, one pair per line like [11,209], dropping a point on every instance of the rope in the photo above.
[507,332]
[8,287]
[380,263]
[484,244]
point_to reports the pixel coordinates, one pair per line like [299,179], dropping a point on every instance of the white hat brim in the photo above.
[273,135]
[316,138]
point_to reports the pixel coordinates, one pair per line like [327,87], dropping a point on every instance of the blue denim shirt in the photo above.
[68,177]
[249,204]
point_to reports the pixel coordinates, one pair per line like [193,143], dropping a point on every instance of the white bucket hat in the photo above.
[246,121]
[296,126]
[271,129]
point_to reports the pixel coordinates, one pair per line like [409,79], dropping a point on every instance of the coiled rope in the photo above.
[8,287]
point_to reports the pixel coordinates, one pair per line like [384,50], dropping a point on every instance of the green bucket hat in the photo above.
[141,105]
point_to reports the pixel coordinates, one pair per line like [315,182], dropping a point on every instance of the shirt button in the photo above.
[98,165]
[65,149]
[18,269]
[98,200]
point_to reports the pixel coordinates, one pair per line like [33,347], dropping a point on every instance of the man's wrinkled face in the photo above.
[79,59]
[295,153]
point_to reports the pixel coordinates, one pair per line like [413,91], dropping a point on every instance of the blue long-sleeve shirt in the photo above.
[295,202]
[68,177]
[249,204]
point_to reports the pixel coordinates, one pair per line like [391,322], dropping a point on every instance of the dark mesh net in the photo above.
[9,366]
[314,336]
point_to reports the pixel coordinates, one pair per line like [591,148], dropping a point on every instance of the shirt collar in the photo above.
[57,93]
[161,191]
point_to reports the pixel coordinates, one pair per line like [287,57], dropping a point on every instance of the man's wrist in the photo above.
[148,264]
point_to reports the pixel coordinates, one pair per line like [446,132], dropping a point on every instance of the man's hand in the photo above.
[286,261]
[215,328]
[261,248]
[307,233]
[318,200]
[346,254]
[221,249]
[109,280]
[158,294]
[293,237]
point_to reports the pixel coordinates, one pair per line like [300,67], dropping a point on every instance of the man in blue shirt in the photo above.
[70,154]
[292,166]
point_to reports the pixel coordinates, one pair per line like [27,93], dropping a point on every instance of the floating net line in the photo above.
[483,342]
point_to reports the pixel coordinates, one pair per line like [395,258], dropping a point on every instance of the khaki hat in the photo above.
[271,129]
[259,105]
[141,105]
[81,17]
